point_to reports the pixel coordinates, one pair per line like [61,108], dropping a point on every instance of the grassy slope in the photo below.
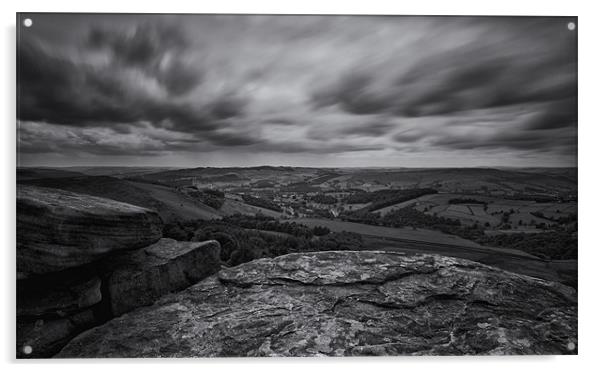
[404,204]
[177,205]
[169,203]
[234,206]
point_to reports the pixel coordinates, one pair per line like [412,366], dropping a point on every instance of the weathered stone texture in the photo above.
[139,278]
[346,303]
[57,229]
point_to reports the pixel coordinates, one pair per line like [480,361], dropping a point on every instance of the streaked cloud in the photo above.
[340,90]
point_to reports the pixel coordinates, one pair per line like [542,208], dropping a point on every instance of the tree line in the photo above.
[242,240]
[558,243]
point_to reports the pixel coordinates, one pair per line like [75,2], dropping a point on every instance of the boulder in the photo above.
[55,307]
[140,277]
[58,229]
[346,303]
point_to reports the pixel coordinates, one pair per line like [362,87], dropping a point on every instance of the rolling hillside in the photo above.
[25,174]
[170,204]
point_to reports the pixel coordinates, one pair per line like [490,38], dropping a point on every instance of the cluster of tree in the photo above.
[322,213]
[361,216]
[563,220]
[385,198]
[261,202]
[241,245]
[506,216]
[320,230]
[538,198]
[261,222]
[466,201]
[213,198]
[557,244]
[409,216]
[413,218]
[323,199]
[403,217]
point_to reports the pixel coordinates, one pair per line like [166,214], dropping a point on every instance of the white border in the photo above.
[590,260]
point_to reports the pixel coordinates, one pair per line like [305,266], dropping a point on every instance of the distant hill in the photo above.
[451,179]
[167,201]
[119,172]
[170,204]
[24,174]
[443,179]
[183,177]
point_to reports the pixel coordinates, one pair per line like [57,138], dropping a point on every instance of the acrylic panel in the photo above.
[205,185]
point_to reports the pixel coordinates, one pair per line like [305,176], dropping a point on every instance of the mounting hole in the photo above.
[27,349]
[571,26]
[571,346]
[27,22]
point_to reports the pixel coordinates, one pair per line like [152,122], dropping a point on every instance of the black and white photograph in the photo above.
[254,185]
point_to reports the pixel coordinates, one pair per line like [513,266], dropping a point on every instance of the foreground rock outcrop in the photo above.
[346,303]
[73,277]
[139,278]
[51,309]
[57,229]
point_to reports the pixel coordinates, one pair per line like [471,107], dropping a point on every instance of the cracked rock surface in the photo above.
[346,303]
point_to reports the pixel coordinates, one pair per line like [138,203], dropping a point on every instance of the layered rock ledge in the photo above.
[57,230]
[139,278]
[346,303]
[51,309]
[82,260]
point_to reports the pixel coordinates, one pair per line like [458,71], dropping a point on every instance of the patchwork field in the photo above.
[520,212]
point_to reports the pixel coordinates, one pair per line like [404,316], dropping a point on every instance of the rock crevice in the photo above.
[83,260]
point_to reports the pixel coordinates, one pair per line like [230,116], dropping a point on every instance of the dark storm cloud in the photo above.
[144,46]
[57,90]
[514,140]
[156,50]
[534,63]
[555,114]
[39,138]
[370,129]
[352,93]
[229,107]
[366,90]
[296,147]
[233,138]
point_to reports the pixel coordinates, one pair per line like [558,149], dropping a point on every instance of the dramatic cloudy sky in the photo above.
[296,90]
